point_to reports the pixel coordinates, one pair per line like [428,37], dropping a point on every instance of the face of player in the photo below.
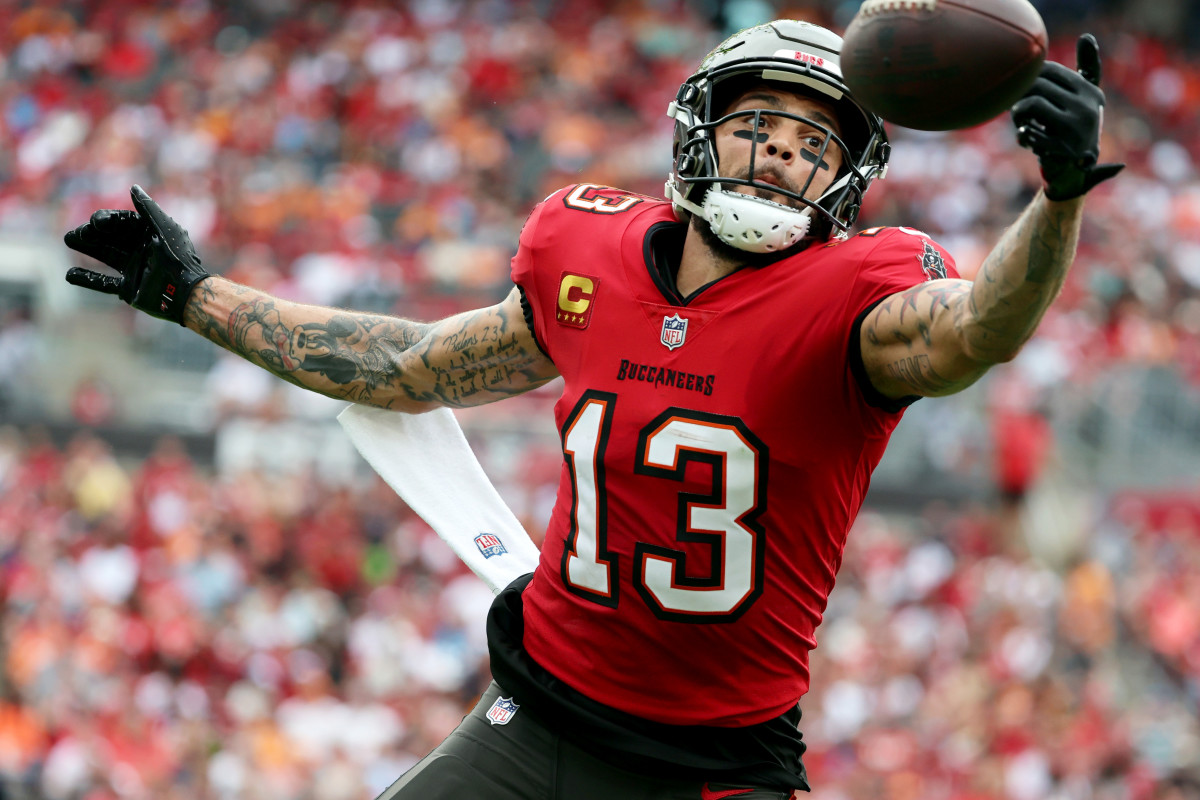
[786,151]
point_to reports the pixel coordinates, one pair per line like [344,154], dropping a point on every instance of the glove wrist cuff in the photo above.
[1083,183]
[183,295]
[177,307]
[166,296]
[1061,196]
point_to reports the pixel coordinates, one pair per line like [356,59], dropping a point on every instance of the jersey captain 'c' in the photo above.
[707,486]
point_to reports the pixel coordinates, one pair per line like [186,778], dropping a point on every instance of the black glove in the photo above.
[154,255]
[1059,119]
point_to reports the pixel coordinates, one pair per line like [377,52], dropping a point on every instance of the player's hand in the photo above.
[153,255]
[1059,119]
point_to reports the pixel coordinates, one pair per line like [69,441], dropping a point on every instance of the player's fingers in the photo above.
[1054,93]
[1031,137]
[116,228]
[83,240]
[1039,125]
[1040,143]
[1087,58]
[110,236]
[1062,76]
[1036,111]
[108,284]
[108,220]
[149,209]
[74,237]
[108,226]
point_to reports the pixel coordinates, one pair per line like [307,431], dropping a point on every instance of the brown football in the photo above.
[939,65]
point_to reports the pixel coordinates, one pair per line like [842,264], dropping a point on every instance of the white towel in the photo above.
[427,460]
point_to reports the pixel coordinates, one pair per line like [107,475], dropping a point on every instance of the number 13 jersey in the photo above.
[716,451]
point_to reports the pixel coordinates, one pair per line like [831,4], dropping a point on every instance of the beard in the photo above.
[734,255]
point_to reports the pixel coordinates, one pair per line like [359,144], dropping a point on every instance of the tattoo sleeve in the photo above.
[469,359]
[940,337]
[1020,279]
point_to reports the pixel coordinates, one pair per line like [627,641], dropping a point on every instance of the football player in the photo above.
[734,360]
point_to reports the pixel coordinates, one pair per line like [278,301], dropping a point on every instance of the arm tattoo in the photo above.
[940,337]
[905,332]
[1019,280]
[917,372]
[357,351]
[925,302]
[466,360]
[472,362]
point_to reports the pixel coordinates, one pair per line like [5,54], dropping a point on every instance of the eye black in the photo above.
[761,138]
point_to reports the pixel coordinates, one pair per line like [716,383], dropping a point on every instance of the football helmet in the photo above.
[799,57]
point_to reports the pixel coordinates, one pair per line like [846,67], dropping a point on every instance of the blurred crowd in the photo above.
[169,635]
[172,633]
[954,665]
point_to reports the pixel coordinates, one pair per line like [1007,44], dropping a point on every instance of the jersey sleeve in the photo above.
[555,262]
[529,278]
[902,258]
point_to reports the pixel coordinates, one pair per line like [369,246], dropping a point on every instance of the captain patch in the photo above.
[576,298]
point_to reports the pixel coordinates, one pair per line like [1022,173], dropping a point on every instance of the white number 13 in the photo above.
[724,520]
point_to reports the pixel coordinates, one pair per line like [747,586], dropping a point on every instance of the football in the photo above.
[939,65]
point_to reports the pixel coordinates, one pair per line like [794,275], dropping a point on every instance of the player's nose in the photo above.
[781,145]
[781,150]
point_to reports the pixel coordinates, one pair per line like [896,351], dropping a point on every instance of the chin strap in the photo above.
[746,222]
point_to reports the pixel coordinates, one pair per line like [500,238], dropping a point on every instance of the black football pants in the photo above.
[522,759]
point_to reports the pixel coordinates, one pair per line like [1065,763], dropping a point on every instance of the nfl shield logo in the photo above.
[490,545]
[502,711]
[674,331]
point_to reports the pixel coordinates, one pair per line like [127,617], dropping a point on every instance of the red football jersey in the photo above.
[715,455]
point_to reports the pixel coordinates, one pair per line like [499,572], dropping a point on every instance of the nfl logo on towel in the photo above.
[674,331]
[502,711]
[490,545]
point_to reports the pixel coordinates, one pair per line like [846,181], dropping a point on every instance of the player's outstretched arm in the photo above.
[940,337]
[469,359]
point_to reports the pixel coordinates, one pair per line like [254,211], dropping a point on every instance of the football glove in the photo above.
[153,255]
[1059,119]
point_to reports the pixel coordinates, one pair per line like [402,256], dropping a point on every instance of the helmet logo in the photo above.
[800,55]
[674,331]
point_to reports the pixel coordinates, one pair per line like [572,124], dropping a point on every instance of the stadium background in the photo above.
[208,595]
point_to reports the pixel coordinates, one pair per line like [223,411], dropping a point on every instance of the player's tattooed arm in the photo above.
[940,337]
[901,341]
[1020,278]
[469,359]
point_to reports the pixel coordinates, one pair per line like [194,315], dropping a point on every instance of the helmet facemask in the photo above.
[798,58]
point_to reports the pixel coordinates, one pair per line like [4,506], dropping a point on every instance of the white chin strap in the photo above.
[747,222]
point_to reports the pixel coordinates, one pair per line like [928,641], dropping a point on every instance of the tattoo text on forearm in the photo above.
[921,306]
